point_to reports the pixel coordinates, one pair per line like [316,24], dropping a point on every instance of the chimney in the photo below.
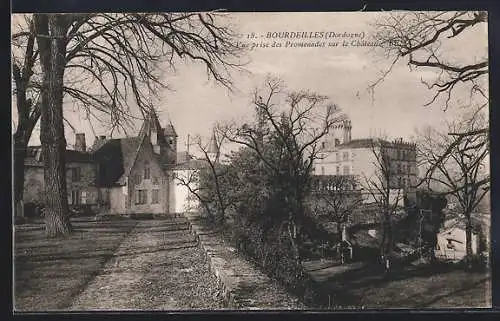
[80,142]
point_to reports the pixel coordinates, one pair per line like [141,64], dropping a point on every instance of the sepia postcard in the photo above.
[250,161]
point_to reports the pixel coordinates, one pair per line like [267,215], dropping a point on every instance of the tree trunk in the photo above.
[293,233]
[19,156]
[21,138]
[51,31]
[383,241]
[468,241]
[339,232]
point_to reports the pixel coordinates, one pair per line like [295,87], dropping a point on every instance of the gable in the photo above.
[144,153]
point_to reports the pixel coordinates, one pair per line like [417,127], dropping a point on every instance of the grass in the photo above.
[49,273]
[418,287]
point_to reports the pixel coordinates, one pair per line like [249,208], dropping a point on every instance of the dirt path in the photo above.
[157,267]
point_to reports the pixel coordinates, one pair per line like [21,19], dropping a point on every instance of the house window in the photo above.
[322,144]
[338,170]
[346,170]
[147,170]
[171,141]
[399,181]
[138,179]
[345,156]
[155,180]
[337,156]
[141,196]
[322,170]
[75,198]
[399,154]
[76,174]
[155,196]
[399,168]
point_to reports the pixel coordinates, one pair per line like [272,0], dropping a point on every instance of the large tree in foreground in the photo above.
[118,56]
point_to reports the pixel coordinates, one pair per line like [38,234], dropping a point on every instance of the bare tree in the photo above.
[209,184]
[458,165]
[384,189]
[425,40]
[337,198]
[295,123]
[108,59]
[27,105]
[422,39]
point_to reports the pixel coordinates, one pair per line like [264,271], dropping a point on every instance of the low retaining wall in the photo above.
[243,286]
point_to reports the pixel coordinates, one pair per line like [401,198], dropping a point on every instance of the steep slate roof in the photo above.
[34,156]
[170,130]
[115,158]
[151,123]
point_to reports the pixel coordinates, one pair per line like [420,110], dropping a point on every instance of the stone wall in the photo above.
[243,285]
[86,184]
[34,183]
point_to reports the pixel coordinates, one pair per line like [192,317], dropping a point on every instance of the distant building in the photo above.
[341,155]
[451,243]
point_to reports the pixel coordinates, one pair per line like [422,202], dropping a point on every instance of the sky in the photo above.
[342,73]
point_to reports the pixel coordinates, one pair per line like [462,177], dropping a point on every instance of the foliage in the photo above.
[265,182]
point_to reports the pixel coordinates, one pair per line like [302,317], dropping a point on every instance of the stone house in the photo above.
[135,173]
[129,175]
[80,178]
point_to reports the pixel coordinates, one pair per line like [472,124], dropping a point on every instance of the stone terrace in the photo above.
[243,285]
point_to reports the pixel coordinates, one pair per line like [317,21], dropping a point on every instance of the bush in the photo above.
[33,210]
[271,252]
[478,262]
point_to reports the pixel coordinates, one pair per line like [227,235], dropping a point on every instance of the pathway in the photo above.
[157,267]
